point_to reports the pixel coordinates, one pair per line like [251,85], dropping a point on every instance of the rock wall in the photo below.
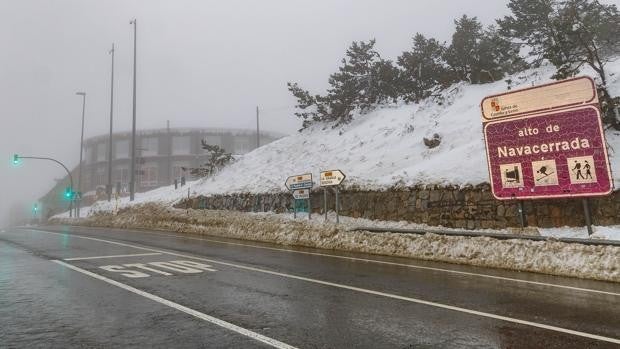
[469,207]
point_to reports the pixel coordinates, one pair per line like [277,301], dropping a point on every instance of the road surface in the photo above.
[69,287]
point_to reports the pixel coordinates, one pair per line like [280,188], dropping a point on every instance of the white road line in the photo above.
[113,256]
[227,325]
[367,291]
[503,278]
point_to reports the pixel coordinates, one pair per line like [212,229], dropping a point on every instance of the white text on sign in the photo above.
[333,177]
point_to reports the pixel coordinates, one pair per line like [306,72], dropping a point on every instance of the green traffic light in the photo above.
[15,159]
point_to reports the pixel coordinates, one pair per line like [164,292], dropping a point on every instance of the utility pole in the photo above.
[169,152]
[257,130]
[132,175]
[83,94]
[109,187]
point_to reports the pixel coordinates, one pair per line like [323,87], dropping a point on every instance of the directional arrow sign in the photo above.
[301,194]
[303,181]
[333,177]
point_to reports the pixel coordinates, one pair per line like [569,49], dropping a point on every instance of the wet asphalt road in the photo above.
[91,287]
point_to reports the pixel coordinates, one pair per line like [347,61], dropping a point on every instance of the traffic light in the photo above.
[15,159]
[35,208]
[68,193]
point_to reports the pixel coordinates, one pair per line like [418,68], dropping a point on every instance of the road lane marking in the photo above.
[113,256]
[180,267]
[367,291]
[412,266]
[503,278]
[227,325]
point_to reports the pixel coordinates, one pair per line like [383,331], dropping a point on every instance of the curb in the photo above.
[470,233]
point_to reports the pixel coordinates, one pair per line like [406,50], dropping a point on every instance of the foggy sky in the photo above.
[200,64]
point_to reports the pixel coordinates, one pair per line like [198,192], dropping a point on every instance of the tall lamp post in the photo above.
[109,187]
[83,94]
[132,175]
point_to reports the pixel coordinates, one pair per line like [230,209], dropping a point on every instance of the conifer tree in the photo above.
[423,69]
[570,34]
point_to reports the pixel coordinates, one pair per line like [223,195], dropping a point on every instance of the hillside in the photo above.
[382,149]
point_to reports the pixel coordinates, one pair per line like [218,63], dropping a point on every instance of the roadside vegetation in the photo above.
[570,34]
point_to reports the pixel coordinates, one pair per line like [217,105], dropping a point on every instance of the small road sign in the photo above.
[332,177]
[546,142]
[301,194]
[303,181]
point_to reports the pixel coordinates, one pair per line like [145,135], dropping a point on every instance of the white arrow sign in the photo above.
[301,194]
[303,181]
[333,177]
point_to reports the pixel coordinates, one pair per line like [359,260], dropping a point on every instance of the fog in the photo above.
[200,64]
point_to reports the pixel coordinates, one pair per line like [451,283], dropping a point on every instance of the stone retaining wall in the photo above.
[469,208]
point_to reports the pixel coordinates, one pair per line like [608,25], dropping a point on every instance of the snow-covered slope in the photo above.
[385,148]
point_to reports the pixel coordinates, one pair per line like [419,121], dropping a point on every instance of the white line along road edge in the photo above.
[377,261]
[114,256]
[227,325]
[363,290]
[412,266]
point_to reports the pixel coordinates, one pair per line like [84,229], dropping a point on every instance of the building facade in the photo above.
[162,155]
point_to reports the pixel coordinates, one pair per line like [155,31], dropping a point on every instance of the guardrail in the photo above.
[473,233]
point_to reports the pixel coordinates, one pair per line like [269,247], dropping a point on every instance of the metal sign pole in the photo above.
[521,215]
[337,207]
[187,206]
[586,211]
[325,202]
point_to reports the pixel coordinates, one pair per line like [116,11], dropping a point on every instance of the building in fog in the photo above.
[161,157]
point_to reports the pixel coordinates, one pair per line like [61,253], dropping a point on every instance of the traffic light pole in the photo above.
[63,166]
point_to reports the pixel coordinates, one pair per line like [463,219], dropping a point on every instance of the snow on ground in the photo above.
[611,232]
[381,149]
[600,232]
[550,256]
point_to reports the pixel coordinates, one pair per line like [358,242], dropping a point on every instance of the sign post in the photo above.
[300,185]
[302,194]
[332,178]
[547,142]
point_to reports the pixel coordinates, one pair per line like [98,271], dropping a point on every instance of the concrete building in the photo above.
[161,156]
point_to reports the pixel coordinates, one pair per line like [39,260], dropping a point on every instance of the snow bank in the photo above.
[549,257]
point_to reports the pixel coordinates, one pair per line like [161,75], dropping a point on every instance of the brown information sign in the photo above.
[556,95]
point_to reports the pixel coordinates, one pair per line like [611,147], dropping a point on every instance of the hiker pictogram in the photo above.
[581,169]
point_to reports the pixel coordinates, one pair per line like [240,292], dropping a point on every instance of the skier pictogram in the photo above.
[545,172]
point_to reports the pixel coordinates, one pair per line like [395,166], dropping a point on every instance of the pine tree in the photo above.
[423,69]
[463,53]
[498,57]
[570,34]
[218,158]
[481,55]
[362,81]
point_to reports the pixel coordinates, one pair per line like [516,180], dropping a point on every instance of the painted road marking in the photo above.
[413,266]
[182,267]
[367,291]
[227,325]
[113,256]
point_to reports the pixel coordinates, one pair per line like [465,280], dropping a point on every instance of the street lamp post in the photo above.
[132,175]
[17,157]
[83,94]
[109,187]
